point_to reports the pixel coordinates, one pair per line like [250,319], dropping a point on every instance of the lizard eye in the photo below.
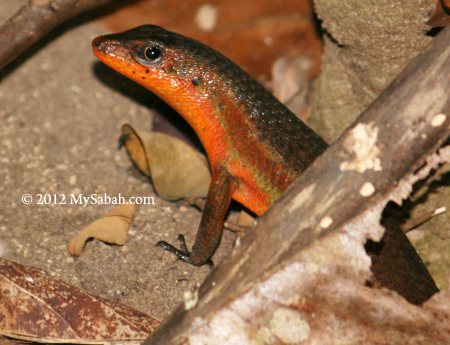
[150,55]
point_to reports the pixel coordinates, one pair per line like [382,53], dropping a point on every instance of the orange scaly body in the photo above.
[255,145]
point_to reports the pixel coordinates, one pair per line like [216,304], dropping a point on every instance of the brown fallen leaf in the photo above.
[176,169]
[112,228]
[441,14]
[274,28]
[36,307]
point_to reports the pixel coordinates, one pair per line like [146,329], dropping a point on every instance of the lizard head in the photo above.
[168,64]
[181,71]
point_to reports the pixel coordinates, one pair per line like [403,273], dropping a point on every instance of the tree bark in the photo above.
[366,45]
[300,274]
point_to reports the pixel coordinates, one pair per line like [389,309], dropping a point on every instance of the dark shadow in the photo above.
[442,181]
[403,213]
[61,30]
[397,266]
[317,22]
[320,31]
[434,31]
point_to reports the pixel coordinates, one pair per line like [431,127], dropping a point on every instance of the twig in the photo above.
[235,227]
[34,20]
[411,224]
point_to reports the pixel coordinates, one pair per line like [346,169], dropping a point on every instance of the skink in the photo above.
[255,145]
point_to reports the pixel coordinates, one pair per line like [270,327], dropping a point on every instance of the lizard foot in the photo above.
[183,253]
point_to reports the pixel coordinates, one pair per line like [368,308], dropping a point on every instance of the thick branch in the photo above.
[34,20]
[392,138]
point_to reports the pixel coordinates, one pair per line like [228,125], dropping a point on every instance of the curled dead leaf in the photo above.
[176,169]
[112,228]
[37,307]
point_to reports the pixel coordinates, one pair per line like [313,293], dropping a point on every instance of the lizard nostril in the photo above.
[100,44]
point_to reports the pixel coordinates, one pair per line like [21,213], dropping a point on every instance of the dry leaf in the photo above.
[177,170]
[36,307]
[441,14]
[112,228]
[274,28]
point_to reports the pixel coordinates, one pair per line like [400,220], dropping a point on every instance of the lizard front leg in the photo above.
[210,230]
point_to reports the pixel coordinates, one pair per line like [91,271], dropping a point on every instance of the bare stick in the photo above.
[235,227]
[413,223]
[36,19]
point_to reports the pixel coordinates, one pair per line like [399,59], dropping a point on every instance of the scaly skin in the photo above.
[242,127]
[255,145]
[246,132]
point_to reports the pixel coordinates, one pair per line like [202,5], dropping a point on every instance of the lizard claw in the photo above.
[183,253]
[122,140]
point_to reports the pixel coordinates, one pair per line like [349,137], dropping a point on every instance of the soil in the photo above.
[60,118]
